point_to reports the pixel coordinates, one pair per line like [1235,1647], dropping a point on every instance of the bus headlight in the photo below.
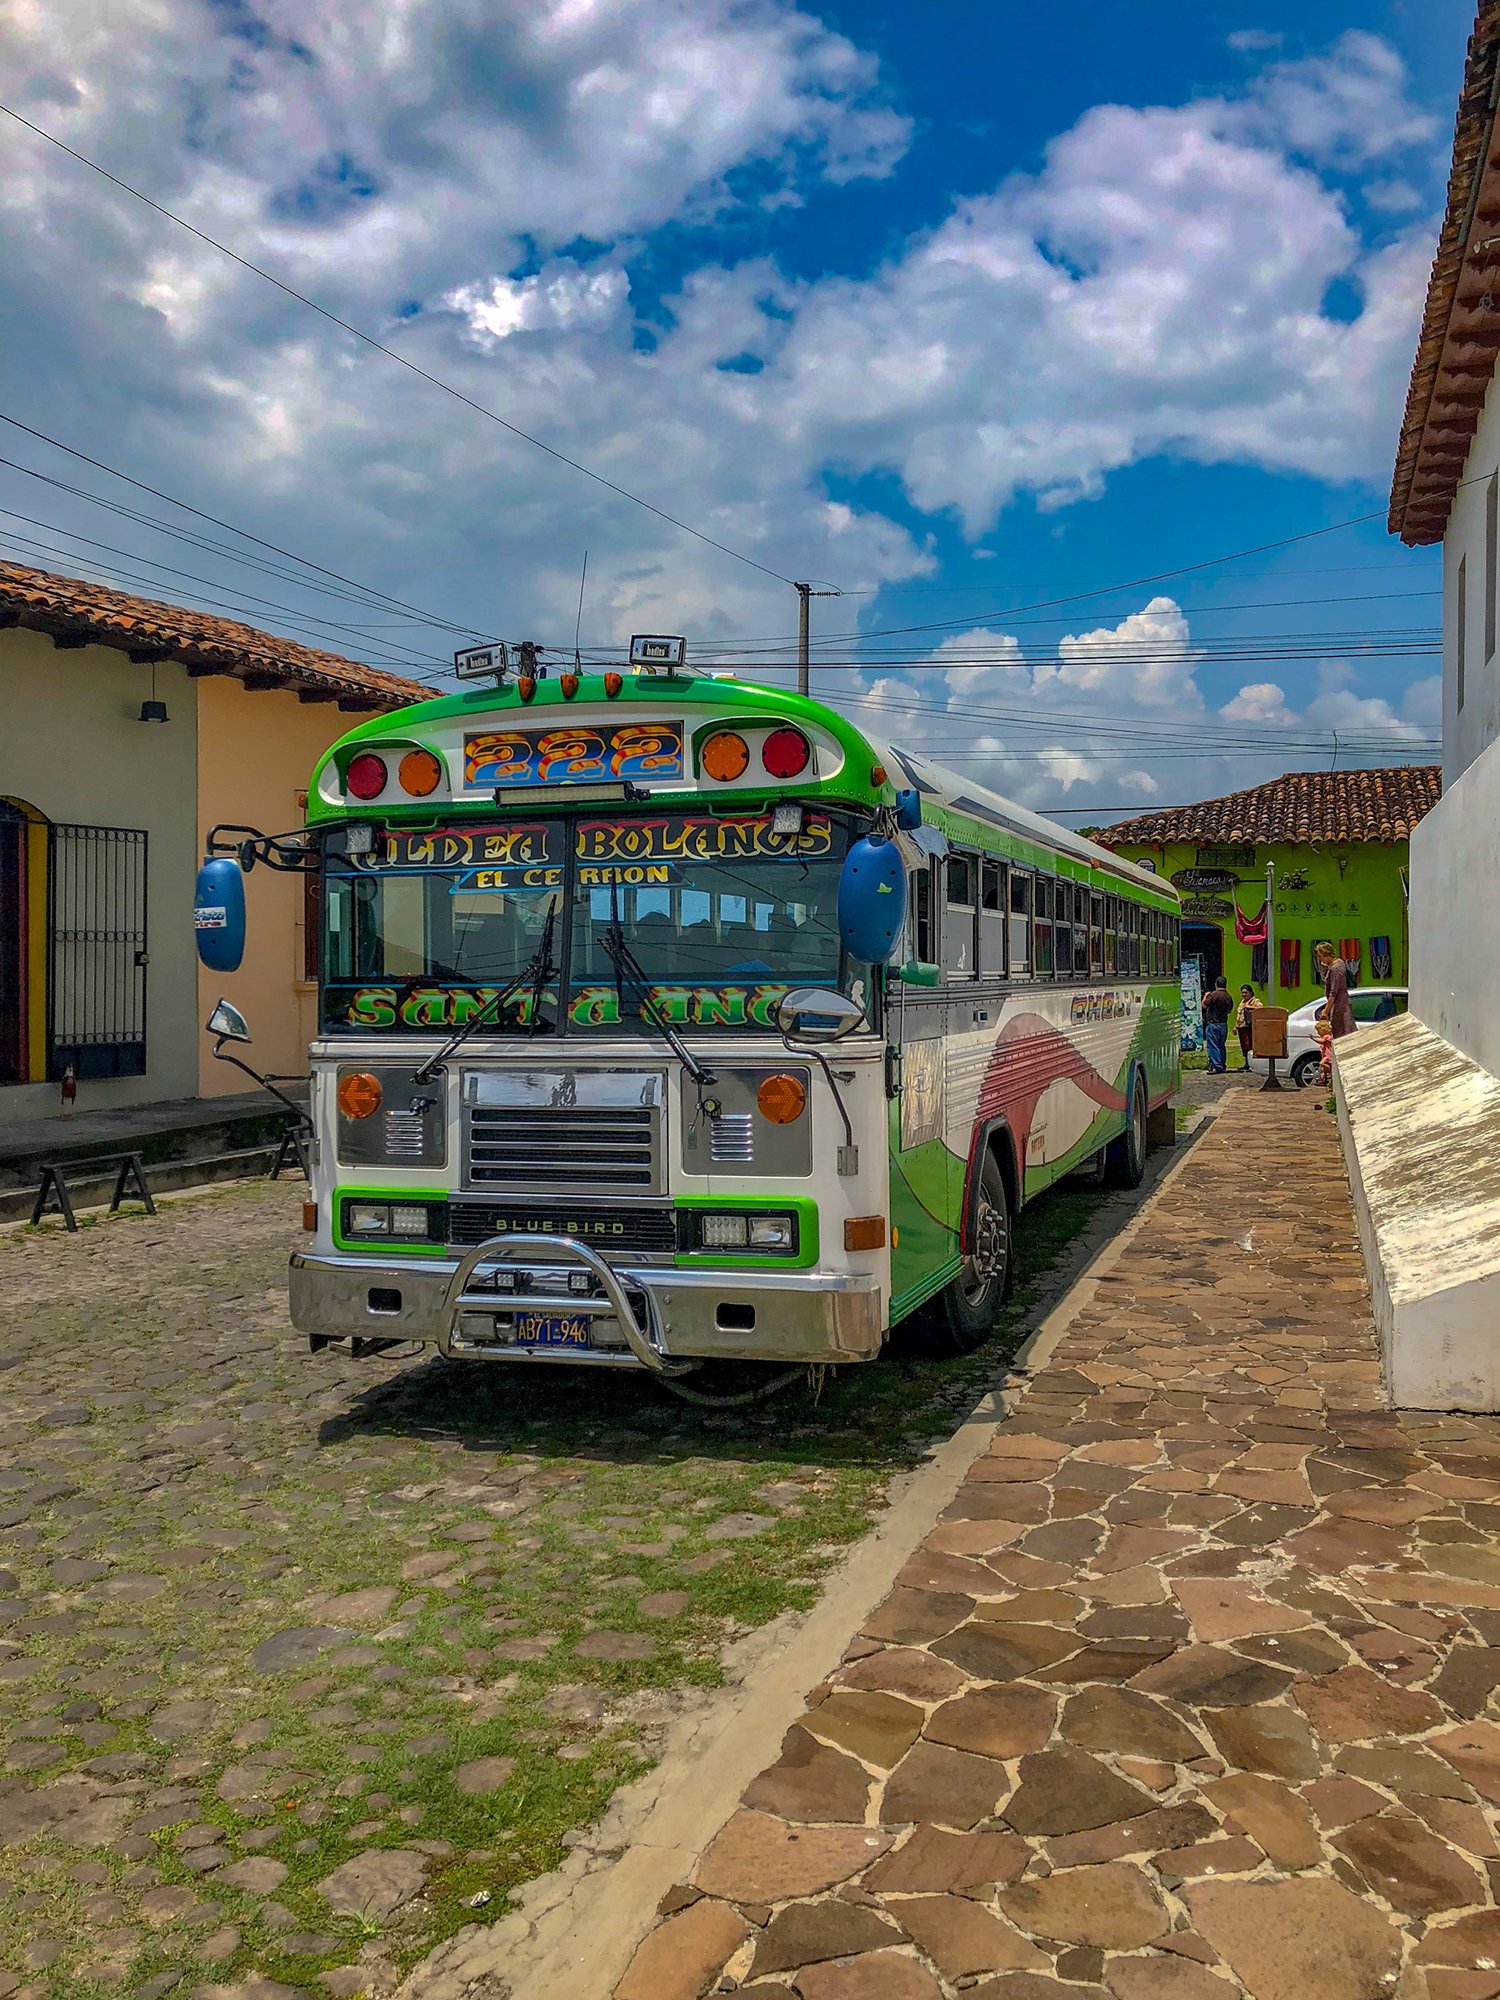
[382,1221]
[758,1229]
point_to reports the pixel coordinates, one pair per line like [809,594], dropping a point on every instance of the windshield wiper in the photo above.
[627,965]
[537,970]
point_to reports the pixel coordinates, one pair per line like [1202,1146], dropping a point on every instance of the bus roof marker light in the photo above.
[786,753]
[569,685]
[612,684]
[367,776]
[872,899]
[725,756]
[526,686]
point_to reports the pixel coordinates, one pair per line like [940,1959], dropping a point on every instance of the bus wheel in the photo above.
[1125,1159]
[972,1300]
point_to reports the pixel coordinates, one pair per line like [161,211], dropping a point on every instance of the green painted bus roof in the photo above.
[967,812]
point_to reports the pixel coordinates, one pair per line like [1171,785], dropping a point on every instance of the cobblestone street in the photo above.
[308,1662]
[1188,1695]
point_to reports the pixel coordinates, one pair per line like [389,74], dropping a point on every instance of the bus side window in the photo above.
[1020,924]
[1096,934]
[992,901]
[1062,929]
[1111,934]
[961,917]
[1041,944]
[921,903]
[1080,932]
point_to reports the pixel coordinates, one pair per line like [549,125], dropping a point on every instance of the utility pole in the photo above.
[805,593]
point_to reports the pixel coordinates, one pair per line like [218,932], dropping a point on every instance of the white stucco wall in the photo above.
[1455,914]
[1469,730]
[71,746]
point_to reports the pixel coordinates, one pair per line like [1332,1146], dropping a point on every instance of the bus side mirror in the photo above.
[872,900]
[219,913]
[818,1014]
[228,1023]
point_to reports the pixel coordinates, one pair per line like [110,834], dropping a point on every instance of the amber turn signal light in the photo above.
[420,773]
[725,756]
[309,1216]
[864,1232]
[359,1094]
[782,1099]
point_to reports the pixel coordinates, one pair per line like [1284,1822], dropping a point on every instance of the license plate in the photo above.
[552,1330]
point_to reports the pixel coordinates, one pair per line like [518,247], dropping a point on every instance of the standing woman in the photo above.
[1335,977]
[1244,1025]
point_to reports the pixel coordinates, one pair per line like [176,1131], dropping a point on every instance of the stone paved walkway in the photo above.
[1188,1695]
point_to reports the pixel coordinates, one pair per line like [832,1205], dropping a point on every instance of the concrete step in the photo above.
[92,1189]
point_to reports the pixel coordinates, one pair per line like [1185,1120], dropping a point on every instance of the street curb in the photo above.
[576,1930]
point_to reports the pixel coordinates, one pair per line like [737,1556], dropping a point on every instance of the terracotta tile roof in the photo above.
[79,614]
[1461,323]
[1302,806]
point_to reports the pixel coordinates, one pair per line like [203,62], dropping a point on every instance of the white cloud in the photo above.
[484,183]
[1118,715]
[1254,41]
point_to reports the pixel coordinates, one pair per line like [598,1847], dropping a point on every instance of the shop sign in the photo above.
[1206,906]
[1204,878]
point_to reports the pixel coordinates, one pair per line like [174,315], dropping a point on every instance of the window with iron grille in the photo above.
[96,945]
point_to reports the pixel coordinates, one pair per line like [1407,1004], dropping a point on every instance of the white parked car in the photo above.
[1370,1004]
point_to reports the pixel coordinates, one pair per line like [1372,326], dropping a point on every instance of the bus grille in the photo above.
[635,1230]
[530,1148]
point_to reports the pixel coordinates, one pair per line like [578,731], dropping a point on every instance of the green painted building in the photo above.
[1339,843]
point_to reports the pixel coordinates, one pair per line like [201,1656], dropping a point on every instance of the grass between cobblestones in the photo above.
[456,1565]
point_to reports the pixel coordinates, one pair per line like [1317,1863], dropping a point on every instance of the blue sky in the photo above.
[961,309]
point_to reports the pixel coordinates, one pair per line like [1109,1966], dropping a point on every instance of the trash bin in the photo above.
[1268,1031]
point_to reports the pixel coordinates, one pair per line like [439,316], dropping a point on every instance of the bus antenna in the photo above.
[578,621]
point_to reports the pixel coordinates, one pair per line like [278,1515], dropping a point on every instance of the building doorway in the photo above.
[1205,942]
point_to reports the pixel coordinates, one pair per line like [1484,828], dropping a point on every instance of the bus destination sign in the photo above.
[576,754]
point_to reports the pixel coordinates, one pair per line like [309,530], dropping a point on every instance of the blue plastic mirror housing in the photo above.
[872,900]
[909,809]
[219,913]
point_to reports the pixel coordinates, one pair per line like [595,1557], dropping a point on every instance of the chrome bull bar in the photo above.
[458,1298]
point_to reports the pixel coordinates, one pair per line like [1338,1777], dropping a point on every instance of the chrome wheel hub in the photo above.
[986,1259]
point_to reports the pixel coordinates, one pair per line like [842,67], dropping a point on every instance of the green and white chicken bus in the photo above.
[667,1019]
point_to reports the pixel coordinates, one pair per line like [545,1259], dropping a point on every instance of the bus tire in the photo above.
[971,1302]
[1125,1157]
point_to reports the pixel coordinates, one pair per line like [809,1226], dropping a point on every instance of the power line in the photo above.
[237,556]
[391,353]
[136,570]
[393,603]
[115,575]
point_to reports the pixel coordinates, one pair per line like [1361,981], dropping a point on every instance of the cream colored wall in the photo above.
[256,752]
[71,745]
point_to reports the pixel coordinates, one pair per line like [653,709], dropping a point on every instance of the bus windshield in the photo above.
[723,915]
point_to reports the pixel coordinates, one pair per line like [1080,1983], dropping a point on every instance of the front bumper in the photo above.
[802,1317]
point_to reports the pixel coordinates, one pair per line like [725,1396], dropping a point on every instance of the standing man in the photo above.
[1335,976]
[1217,1008]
